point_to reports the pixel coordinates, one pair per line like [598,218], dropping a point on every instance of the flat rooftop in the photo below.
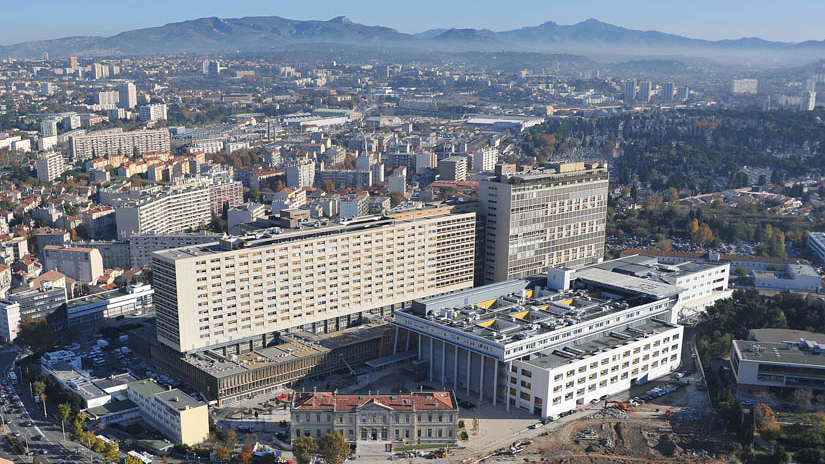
[513,310]
[781,353]
[294,346]
[555,357]
[648,266]
[276,235]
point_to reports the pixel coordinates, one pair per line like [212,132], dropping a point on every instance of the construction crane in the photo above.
[619,404]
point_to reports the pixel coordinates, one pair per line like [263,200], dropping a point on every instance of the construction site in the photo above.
[666,429]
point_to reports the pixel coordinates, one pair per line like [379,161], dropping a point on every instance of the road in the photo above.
[52,438]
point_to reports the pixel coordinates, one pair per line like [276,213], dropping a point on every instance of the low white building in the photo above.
[789,277]
[816,242]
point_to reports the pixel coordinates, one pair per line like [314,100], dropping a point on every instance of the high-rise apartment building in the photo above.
[49,166]
[113,142]
[48,127]
[300,173]
[238,293]
[666,96]
[127,94]
[629,91]
[682,93]
[645,90]
[484,159]
[536,220]
[808,102]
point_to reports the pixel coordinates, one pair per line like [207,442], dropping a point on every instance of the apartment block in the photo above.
[179,417]
[241,289]
[453,168]
[552,217]
[81,264]
[174,210]
[99,144]
[225,195]
[415,418]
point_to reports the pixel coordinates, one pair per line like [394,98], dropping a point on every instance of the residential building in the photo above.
[127,96]
[81,264]
[682,93]
[49,167]
[108,98]
[300,173]
[141,246]
[808,101]
[484,159]
[225,195]
[100,222]
[176,415]
[645,91]
[414,418]
[547,350]
[153,112]
[288,199]
[115,253]
[48,127]
[347,269]
[360,179]
[453,168]
[353,206]
[667,93]
[553,217]
[112,142]
[169,211]
[629,91]
[744,86]
[244,214]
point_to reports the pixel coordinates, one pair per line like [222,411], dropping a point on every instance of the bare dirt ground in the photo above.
[645,436]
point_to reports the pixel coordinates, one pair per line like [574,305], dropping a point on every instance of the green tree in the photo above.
[132,460]
[64,410]
[111,452]
[303,449]
[35,334]
[334,448]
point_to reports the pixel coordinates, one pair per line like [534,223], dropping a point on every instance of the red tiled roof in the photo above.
[328,400]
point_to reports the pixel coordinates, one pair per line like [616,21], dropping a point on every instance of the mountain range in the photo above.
[273,33]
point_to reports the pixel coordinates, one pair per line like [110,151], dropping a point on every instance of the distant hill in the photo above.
[268,33]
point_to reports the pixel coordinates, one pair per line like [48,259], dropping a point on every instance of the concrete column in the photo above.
[455,369]
[395,342]
[507,386]
[432,358]
[419,347]
[409,336]
[469,362]
[443,362]
[495,380]
[481,382]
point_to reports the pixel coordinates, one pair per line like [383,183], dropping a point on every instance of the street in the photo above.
[42,437]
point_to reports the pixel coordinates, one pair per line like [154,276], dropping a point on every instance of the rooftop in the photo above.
[433,401]
[294,346]
[800,352]
[555,357]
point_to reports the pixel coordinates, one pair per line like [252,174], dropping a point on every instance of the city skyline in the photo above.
[766,20]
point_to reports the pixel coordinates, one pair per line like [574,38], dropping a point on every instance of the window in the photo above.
[526,373]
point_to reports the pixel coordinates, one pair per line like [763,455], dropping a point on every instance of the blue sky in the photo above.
[786,20]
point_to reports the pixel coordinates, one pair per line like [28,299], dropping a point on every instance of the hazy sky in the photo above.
[786,20]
